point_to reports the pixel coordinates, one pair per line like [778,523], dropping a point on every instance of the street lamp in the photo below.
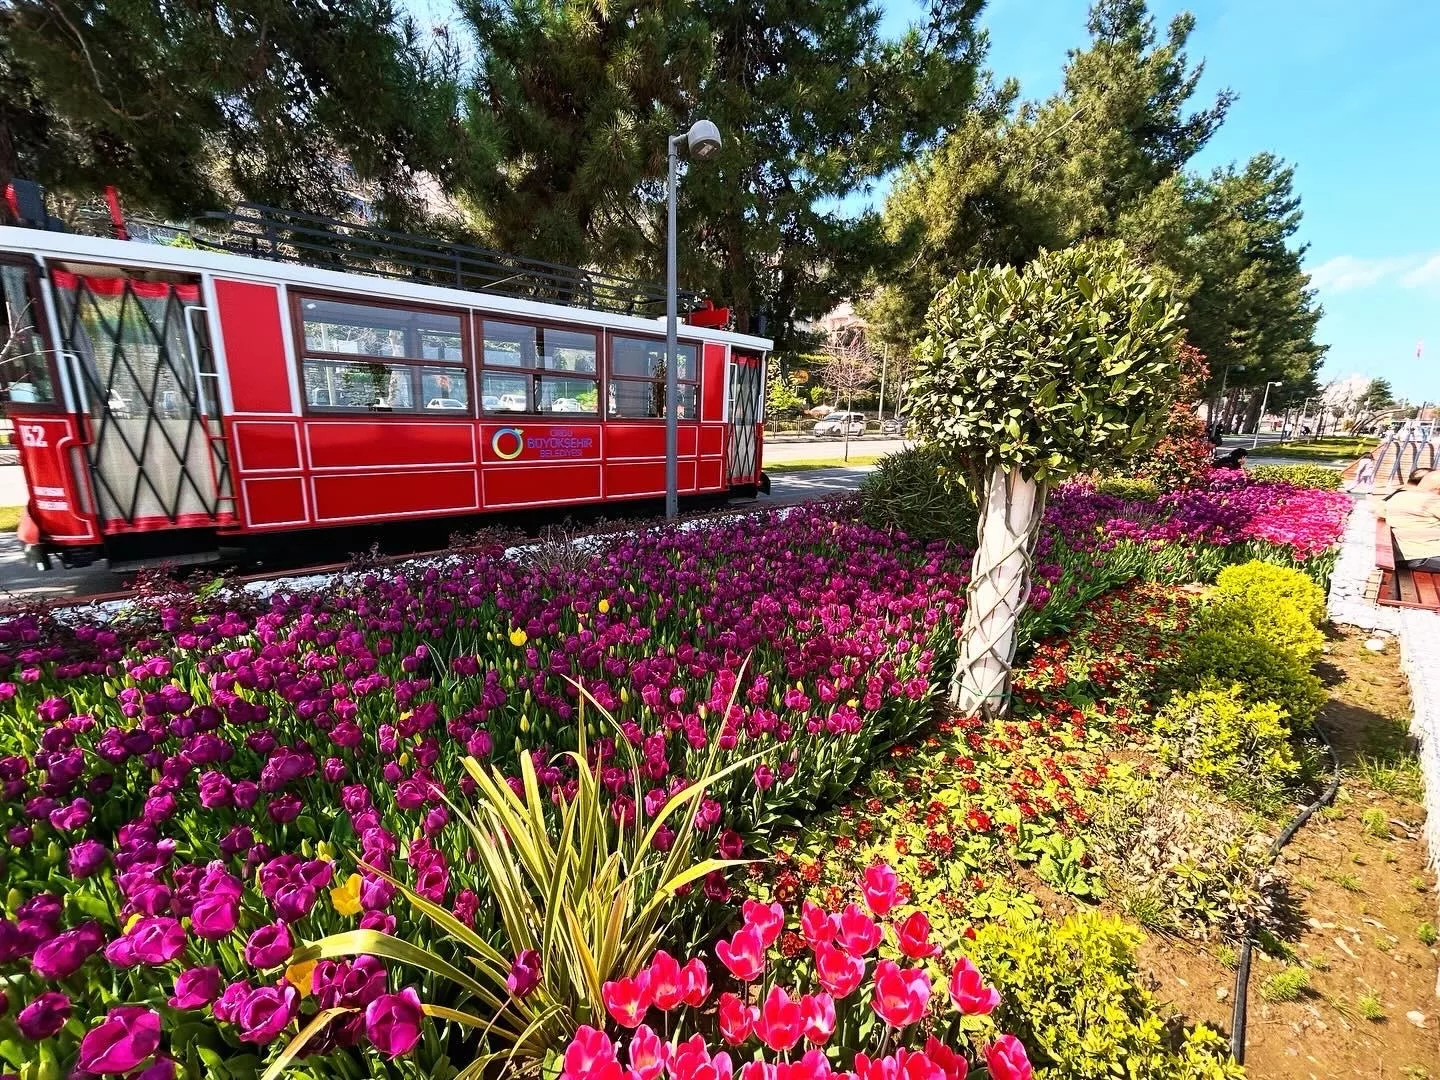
[702,142]
[1264,400]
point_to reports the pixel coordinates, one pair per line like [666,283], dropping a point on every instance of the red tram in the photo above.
[283,372]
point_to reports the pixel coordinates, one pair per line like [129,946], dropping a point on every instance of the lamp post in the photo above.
[1264,400]
[702,141]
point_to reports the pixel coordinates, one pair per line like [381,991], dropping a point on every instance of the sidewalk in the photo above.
[1419,635]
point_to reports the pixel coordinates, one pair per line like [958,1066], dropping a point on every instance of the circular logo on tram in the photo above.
[508,443]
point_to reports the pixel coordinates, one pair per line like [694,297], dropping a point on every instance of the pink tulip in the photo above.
[667,988]
[591,1056]
[881,888]
[901,994]
[627,999]
[969,992]
[648,1054]
[838,971]
[696,981]
[856,932]
[744,954]
[816,925]
[1007,1060]
[736,1019]
[818,1011]
[781,1023]
[768,921]
[913,937]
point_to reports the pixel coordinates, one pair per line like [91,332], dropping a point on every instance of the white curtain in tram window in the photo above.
[129,340]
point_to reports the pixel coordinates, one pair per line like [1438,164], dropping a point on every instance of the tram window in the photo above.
[538,369]
[24,371]
[364,358]
[637,379]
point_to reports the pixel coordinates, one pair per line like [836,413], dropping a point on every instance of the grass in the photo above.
[1427,934]
[1285,985]
[1327,449]
[1397,775]
[1376,823]
[1371,1008]
[806,464]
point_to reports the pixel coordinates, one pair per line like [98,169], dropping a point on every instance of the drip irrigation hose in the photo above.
[1242,969]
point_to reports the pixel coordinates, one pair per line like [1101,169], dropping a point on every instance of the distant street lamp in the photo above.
[702,142]
[1264,400]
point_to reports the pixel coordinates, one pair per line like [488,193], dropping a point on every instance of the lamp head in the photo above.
[703,140]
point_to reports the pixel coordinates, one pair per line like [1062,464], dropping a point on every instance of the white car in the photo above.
[565,404]
[445,403]
[511,403]
[839,423]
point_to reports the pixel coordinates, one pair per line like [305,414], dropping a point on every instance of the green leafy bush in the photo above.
[1074,994]
[1307,476]
[912,491]
[1219,659]
[1219,737]
[1280,605]
[1262,584]
[1129,487]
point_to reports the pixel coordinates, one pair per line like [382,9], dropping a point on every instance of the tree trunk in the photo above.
[1010,516]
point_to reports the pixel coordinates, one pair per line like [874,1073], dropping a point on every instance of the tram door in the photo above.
[140,360]
[746,395]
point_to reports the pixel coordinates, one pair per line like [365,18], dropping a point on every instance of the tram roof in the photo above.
[293,271]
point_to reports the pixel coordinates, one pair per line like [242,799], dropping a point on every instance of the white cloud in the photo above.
[1426,274]
[1345,273]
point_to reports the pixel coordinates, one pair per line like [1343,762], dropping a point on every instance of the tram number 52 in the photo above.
[32,435]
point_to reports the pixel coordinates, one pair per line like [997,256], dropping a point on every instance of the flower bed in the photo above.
[187,790]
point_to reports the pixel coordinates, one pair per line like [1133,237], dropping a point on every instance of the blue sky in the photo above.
[1350,95]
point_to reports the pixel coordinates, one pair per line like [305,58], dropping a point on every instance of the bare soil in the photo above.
[1361,899]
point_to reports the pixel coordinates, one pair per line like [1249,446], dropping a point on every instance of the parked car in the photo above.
[444,403]
[512,402]
[838,423]
[565,404]
[892,427]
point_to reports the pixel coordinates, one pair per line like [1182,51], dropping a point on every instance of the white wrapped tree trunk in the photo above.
[1010,514]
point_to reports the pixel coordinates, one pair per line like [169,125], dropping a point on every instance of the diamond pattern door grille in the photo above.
[156,452]
[744,415]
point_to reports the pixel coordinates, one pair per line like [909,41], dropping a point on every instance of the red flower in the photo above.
[818,1011]
[781,1023]
[881,888]
[953,1065]
[591,1056]
[696,982]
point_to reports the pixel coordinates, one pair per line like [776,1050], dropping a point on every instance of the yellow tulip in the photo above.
[603,606]
[518,638]
[346,898]
[298,976]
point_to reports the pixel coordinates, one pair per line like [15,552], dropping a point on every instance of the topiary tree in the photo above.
[1026,378]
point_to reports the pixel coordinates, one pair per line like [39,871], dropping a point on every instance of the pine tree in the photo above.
[186,107]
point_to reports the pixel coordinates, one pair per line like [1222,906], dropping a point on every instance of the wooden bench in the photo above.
[1401,586]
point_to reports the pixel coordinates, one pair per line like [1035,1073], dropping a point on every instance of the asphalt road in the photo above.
[809,448]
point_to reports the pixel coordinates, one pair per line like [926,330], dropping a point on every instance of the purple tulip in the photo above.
[155,940]
[86,858]
[196,987]
[265,1012]
[44,1016]
[524,973]
[214,916]
[393,1022]
[268,946]
[127,1036]
[62,955]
